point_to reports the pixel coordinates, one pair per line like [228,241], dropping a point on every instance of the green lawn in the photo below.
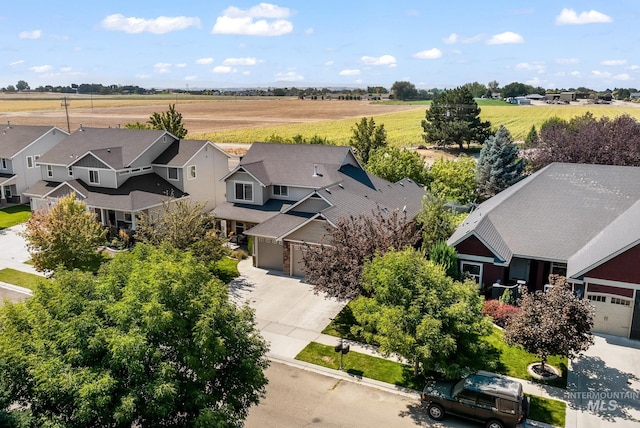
[362,365]
[19,278]
[511,361]
[14,215]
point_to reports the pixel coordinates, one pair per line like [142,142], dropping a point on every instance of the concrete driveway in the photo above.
[14,254]
[288,313]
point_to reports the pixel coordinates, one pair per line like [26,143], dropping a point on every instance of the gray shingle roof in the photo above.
[135,194]
[293,164]
[15,138]
[119,146]
[279,225]
[559,213]
[181,151]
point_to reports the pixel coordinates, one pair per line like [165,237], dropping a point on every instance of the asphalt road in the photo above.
[302,398]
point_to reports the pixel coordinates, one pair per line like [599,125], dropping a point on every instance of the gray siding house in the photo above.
[20,148]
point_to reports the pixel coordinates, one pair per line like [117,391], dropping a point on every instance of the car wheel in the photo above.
[494,424]
[436,412]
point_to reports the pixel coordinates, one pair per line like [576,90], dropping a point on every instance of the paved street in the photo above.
[299,398]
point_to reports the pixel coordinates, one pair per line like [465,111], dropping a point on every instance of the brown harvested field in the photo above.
[199,116]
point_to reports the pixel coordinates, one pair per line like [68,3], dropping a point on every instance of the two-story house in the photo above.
[20,148]
[120,173]
[285,196]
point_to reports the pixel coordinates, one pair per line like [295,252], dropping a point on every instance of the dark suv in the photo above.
[482,396]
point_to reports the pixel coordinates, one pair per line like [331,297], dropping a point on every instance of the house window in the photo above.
[127,217]
[239,228]
[94,176]
[474,270]
[597,298]
[49,171]
[192,171]
[173,173]
[244,192]
[3,163]
[29,161]
[619,301]
[280,190]
[558,269]
[70,170]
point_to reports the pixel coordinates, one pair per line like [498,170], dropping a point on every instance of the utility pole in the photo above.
[65,104]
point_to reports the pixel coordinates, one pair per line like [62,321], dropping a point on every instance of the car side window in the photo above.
[507,406]
[467,396]
[485,400]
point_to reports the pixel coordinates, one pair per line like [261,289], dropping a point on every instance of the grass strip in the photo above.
[19,278]
[14,215]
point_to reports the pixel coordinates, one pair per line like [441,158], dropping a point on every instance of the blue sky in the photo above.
[213,44]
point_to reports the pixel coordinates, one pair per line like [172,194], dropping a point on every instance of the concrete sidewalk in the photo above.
[13,255]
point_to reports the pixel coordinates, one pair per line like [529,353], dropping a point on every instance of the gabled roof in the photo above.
[15,138]
[571,213]
[302,165]
[136,194]
[115,146]
[182,151]
[356,193]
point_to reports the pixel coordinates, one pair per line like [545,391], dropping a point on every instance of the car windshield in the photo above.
[455,389]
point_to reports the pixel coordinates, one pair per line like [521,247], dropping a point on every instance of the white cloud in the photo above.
[535,82]
[634,67]
[14,63]
[454,38]
[246,73]
[531,66]
[223,69]
[622,76]
[329,63]
[309,31]
[567,61]
[33,35]
[576,73]
[159,25]
[240,61]
[389,60]
[204,61]
[434,53]
[190,78]
[349,73]
[603,74]
[508,37]
[41,68]
[66,69]
[613,62]
[162,67]
[570,17]
[289,76]
[243,21]
[181,65]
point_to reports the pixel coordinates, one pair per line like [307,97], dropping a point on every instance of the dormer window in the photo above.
[70,170]
[49,171]
[172,173]
[244,192]
[94,176]
[3,163]
[279,190]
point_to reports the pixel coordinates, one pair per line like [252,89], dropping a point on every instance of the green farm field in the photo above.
[404,128]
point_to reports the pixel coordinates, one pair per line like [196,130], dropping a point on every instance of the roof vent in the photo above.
[340,185]
[315,170]
[8,124]
[81,128]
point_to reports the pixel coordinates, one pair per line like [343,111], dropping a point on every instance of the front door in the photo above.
[635,324]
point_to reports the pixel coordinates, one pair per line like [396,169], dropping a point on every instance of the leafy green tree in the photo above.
[477,89]
[393,164]
[416,311]
[403,90]
[185,226]
[493,86]
[22,86]
[453,180]
[152,340]
[336,268]
[454,118]
[367,137]
[499,166]
[67,235]
[552,323]
[446,256]
[170,120]
[532,139]
[436,221]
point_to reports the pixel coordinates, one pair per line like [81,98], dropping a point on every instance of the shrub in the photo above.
[240,254]
[225,269]
[500,312]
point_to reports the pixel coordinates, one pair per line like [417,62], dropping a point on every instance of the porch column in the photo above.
[102,217]
[133,221]
[3,200]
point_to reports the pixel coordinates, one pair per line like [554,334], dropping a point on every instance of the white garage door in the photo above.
[612,314]
[269,255]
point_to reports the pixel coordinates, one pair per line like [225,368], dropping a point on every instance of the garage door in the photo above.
[269,255]
[298,264]
[612,313]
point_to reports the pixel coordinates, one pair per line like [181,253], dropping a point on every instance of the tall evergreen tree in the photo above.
[170,120]
[499,166]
